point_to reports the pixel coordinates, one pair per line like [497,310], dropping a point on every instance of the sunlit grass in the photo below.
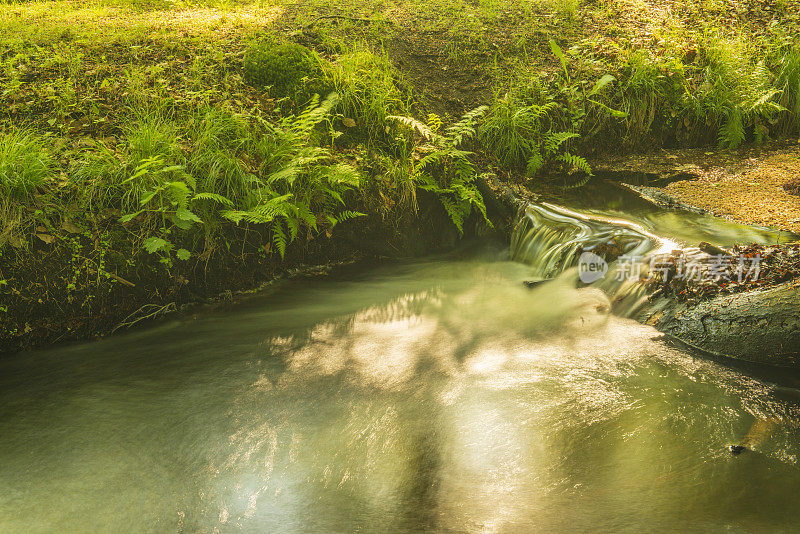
[98,20]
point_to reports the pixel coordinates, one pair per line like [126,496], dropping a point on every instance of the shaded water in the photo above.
[437,395]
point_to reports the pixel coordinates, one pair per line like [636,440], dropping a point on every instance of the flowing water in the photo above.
[435,395]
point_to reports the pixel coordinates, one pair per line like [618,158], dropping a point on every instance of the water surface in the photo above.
[435,395]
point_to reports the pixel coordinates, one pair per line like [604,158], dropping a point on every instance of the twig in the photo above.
[116,277]
[159,310]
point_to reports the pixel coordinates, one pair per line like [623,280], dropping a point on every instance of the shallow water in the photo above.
[688,229]
[435,395]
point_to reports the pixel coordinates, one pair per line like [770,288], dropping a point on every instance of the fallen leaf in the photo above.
[71,228]
[47,238]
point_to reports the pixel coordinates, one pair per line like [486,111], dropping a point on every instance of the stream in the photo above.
[438,394]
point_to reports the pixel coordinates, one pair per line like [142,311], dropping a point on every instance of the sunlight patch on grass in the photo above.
[97,19]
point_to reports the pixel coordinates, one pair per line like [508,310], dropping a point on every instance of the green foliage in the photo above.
[788,82]
[299,184]
[731,92]
[24,164]
[522,136]
[220,142]
[289,68]
[715,89]
[649,95]
[230,168]
[367,85]
[439,165]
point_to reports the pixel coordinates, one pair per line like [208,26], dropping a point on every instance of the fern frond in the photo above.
[465,128]
[219,199]
[456,213]
[535,163]
[343,175]
[576,162]
[415,125]
[731,134]
[279,239]
[305,214]
[346,215]
[263,213]
[554,140]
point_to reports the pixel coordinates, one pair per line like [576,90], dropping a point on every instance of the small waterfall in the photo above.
[551,239]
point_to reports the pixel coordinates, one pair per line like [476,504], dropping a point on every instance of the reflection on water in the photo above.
[433,396]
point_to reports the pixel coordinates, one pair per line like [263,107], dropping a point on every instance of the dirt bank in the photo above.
[76,288]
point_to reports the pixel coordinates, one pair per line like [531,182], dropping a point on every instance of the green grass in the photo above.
[24,165]
[193,93]
[368,87]
[159,141]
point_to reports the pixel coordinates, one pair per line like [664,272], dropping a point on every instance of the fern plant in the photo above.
[298,185]
[168,206]
[522,136]
[439,164]
[733,92]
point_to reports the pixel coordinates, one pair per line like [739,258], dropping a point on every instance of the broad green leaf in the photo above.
[613,112]
[602,82]
[186,215]
[560,55]
[128,217]
[154,244]
[183,254]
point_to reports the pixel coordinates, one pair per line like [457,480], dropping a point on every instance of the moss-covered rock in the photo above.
[290,70]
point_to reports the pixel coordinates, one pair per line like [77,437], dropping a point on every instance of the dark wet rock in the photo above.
[737,449]
[761,325]
[530,284]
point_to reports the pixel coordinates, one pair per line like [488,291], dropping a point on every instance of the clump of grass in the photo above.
[119,178]
[649,96]
[220,141]
[788,82]
[367,86]
[513,131]
[24,164]
[730,91]
[152,136]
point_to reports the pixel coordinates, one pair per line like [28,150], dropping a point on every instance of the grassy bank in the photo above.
[157,153]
